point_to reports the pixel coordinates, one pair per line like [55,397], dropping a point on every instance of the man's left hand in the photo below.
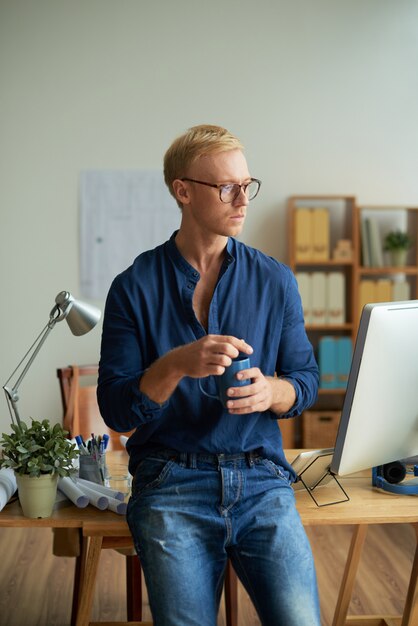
[264,393]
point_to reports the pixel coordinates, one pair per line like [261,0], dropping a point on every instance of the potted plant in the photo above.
[397,243]
[38,454]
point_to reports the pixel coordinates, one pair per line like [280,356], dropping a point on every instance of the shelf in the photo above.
[362,284]
[332,392]
[338,284]
[407,269]
[328,327]
[387,282]
[331,263]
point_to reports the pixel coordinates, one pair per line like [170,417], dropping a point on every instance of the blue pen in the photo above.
[80,444]
[106,440]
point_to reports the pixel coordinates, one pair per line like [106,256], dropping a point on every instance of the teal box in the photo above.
[327,361]
[344,356]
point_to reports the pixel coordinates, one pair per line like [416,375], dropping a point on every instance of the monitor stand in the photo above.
[323,477]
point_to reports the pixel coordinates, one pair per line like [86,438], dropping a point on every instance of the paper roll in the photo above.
[8,485]
[96,498]
[117,506]
[74,493]
[106,491]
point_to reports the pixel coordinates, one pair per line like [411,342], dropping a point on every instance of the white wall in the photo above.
[323,94]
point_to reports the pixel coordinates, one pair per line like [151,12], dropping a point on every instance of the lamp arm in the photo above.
[12,395]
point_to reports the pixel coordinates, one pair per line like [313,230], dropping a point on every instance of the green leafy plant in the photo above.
[397,240]
[38,449]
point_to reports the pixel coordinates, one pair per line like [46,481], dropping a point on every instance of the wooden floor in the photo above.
[36,587]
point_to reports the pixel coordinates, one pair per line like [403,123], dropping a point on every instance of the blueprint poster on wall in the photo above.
[122,213]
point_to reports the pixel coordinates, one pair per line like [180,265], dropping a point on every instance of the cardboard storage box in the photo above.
[319,428]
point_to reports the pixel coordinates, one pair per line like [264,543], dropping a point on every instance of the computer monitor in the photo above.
[379,420]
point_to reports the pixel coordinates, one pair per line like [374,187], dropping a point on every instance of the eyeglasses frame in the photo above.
[220,187]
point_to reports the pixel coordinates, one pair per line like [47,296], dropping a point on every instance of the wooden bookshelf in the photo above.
[345,223]
[388,218]
[342,226]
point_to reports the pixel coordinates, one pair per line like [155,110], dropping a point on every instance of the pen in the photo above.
[81,445]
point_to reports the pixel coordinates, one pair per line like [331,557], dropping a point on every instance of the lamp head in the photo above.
[80,316]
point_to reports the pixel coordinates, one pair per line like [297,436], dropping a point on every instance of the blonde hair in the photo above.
[194,143]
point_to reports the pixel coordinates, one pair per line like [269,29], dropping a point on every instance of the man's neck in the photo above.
[202,252]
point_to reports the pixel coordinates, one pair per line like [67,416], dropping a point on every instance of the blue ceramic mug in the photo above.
[229,379]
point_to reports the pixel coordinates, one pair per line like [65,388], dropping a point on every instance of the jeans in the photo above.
[189,513]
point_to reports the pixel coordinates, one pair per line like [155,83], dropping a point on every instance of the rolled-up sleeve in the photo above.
[122,362]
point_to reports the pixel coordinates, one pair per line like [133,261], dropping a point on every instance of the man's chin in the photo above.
[235,229]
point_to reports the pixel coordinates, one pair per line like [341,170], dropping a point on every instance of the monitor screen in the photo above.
[379,420]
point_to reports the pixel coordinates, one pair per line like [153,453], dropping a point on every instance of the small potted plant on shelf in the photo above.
[38,454]
[397,243]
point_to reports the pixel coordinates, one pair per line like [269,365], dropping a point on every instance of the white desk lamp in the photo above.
[80,317]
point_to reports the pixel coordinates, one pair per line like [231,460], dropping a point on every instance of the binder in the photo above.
[305,290]
[365,243]
[383,290]
[367,293]
[401,291]
[344,356]
[335,298]
[318,298]
[327,362]
[320,234]
[376,250]
[303,234]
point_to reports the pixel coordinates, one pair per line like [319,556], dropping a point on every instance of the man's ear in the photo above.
[181,191]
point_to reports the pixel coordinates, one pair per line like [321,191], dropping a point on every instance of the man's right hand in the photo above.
[207,356]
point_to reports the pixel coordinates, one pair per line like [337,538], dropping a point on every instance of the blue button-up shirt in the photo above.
[149,311]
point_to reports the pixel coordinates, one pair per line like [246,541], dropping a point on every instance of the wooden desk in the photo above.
[366,506]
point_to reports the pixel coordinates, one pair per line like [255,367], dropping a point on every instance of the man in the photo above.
[210,482]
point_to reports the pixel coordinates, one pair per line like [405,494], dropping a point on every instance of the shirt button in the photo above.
[190,285]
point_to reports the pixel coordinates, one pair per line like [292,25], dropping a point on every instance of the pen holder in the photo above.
[92,469]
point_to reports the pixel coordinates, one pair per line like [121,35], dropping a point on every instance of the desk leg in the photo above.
[80,564]
[88,580]
[231,596]
[410,614]
[347,584]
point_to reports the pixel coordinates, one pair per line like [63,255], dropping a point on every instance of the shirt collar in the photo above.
[188,269]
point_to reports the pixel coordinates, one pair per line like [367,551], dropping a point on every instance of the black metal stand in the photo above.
[320,478]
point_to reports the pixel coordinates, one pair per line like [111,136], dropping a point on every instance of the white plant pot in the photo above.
[37,494]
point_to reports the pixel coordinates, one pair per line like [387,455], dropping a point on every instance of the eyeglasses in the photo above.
[230,192]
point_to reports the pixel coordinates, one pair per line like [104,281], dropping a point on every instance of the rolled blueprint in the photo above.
[96,498]
[73,492]
[106,491]
[117,506]
[8,485]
